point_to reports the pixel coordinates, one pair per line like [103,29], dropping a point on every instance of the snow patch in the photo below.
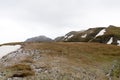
[101,33]
[84,36]
[110,41]
[70,36]
[118,41]
[5,49]
[65,36]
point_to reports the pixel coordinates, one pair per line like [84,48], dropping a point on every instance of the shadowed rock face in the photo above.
[39,39]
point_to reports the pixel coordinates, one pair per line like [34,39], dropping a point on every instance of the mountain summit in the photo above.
[41,38]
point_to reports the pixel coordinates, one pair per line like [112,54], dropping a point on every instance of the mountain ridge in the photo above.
[106,35]
[98,34]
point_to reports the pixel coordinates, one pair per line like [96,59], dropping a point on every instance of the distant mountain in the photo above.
[106,35]
[39,39]
[109,35]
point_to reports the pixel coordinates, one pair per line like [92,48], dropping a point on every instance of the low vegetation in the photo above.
[18,70]
[113,30]
[67,61]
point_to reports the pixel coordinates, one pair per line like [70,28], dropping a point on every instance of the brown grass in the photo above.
[69,58]
[76,51]
[27,60]
[20,70]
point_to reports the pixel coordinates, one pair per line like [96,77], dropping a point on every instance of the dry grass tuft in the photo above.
[20,70]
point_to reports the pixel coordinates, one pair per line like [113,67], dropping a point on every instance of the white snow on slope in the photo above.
[70,36]
[101,33]
[110,41]
[118,41]
[5,49]
[84,36]
[65,36]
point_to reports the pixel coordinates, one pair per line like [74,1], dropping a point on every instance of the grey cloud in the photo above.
[51,16]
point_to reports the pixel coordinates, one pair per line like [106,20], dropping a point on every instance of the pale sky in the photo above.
[22,19]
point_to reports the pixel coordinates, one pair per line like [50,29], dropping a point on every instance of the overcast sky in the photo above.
[21,19]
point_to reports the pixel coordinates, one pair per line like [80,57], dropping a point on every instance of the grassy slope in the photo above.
[71,56]
[74,50]
[87,55]
[113,30]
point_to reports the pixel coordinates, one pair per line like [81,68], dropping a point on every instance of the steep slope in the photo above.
[62,61]
[39,39]
[86,36]
[109,35]
[68,36]
[60,38]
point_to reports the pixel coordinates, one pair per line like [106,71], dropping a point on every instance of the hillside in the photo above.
[61,61]
[107,35]
[39,39]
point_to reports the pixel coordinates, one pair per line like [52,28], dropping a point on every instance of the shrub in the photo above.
[27,60]
[21,70]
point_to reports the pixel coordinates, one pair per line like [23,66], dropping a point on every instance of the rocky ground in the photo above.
[51,61]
